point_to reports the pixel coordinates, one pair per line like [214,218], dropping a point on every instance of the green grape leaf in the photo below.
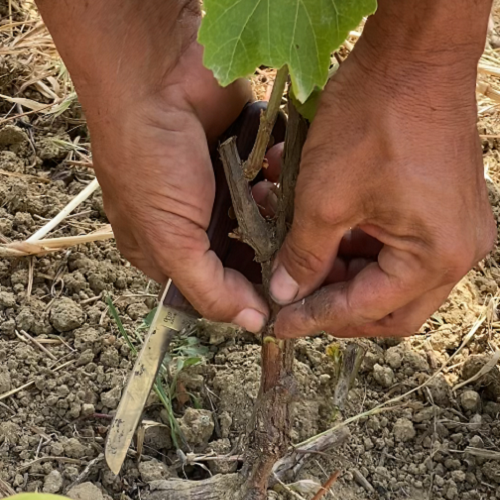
[307,109]
[240,35]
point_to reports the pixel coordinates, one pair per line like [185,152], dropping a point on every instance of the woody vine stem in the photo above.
[268,437]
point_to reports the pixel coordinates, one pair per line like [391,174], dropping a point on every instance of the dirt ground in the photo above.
[59,391]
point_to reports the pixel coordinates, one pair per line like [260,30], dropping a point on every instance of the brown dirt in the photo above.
[52,432]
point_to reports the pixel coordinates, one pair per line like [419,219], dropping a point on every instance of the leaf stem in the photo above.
[267,120]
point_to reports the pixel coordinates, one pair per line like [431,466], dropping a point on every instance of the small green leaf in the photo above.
[307,109]
[148,320]
[240,35]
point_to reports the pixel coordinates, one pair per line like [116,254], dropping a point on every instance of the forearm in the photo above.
[426,51]
[109,41]
[429,29]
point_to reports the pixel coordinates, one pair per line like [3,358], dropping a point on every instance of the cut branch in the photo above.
[267,120]
[253,229]
[269,432]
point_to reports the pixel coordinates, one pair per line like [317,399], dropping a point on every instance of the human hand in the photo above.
[152,160]
[393,155]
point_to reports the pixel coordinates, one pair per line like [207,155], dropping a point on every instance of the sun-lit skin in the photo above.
[393,152]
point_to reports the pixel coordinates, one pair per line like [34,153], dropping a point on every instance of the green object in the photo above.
[307,109]
[36,496]
[240,35]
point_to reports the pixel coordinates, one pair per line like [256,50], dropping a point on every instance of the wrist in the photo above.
[119,48]
[407,49]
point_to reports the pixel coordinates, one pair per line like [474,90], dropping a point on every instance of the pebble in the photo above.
[111,399]
[87,409]
[470,401]
[458,476]
[475,423]
[383,375]
[85,491]
[53,482]
[66,315]
[197,426]
[403,430]
[74,449]
[7,299]
[476,442]
[394,357]
[153,470]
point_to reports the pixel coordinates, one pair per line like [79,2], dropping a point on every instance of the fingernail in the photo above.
[283,287]
[251,320]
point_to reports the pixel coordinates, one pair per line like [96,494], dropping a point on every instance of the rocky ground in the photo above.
[60,386]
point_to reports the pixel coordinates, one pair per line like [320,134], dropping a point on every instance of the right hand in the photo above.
[394,154]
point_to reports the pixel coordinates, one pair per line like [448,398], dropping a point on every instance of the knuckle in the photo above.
[302,260]
[456,260]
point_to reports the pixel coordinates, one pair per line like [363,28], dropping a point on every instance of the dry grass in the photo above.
[30,65]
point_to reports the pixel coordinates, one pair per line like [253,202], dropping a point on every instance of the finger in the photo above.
[379,289]
[182,251]
[346,269]
[356,243]
[273,157]
[264,194]
[305,259]
[404,322]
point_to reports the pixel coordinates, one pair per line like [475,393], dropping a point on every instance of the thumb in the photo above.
[305,259]
[216,292]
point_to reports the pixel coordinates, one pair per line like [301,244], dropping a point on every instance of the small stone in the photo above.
[426,414]
[75,449]
[439,481]
[153,470]
[87,409]
[53,482]
[7,299]
[85,358]
[197,426]
[492,471]
[476,422]
[451,493]
[66,315]
[369,362]
[111,399]
[57,449]
[458,476]
[415,361]
[403,430]
[470,401]
[452,464]
[440,390]
[137,311]
[394,357]
[373,423]
[368,444]
[85,491]
[110,357]
[471,478]
[383,375]
[71,473]
[476,442]
[5,381]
